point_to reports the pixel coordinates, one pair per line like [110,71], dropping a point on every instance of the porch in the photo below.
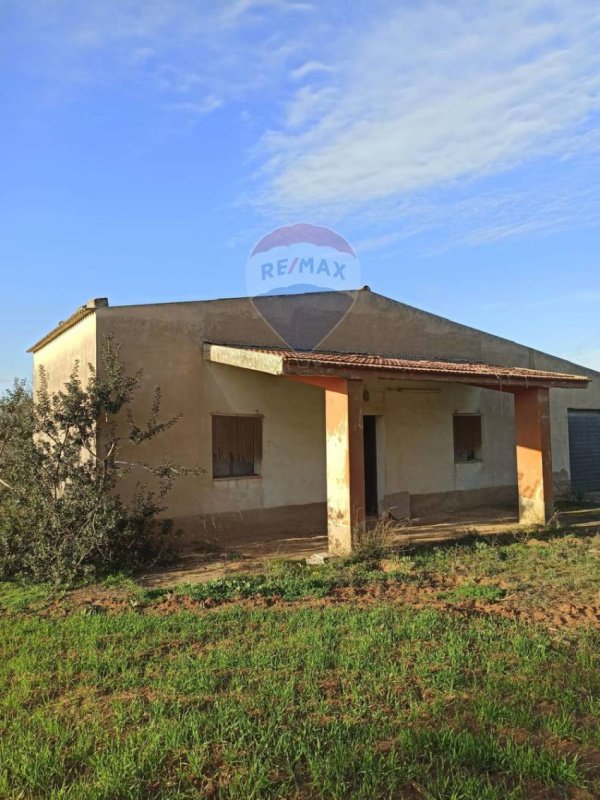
[344,377]
[251,555]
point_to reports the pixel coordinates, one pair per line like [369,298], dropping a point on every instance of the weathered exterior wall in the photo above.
[290,495]
[58,357]
[378,324]
[561,400]
[415,431]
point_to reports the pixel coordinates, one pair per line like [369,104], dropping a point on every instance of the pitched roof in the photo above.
[363,365]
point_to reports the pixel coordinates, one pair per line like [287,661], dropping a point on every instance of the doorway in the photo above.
[370,450]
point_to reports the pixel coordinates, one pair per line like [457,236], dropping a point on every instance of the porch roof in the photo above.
[361,365]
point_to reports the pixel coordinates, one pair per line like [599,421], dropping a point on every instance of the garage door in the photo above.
[584,450]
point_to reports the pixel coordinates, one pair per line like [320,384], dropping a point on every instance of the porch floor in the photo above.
[247,556]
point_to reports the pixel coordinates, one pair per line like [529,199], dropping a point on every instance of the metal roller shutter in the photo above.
[584,450]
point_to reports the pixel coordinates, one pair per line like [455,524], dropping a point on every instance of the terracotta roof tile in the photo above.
[314,362]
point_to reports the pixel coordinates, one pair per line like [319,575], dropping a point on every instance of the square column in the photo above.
[534,455]
[345,463]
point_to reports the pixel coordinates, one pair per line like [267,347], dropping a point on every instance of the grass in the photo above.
[322,682]
[542,571]
[466,591]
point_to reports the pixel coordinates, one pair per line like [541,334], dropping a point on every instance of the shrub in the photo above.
[62,456]
[375,543]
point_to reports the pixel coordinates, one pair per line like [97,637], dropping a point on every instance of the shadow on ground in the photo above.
[206,564]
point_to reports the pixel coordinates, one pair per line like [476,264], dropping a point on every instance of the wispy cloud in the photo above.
[216,48]
[198,107]
[309,104]
[429,97]
[535,201]
[309,68]
[399,121]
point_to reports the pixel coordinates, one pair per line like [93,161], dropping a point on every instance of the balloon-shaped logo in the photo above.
[303,259]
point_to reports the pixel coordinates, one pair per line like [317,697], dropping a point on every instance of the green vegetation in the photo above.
[335,702]
[476,591]
[61,460]
[414,677]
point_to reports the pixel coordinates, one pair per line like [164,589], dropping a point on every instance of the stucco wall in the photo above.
[417,435]
[378,324]
[419,442]
[416,448]
[58,357]
[166,341]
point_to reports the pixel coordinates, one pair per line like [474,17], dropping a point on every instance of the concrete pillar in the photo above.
[345,463]
[344,447]
[534,455]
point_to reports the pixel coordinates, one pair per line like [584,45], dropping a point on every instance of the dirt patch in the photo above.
[202,568]
[418,595]
[560,616]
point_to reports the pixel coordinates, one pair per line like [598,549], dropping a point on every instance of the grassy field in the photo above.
[467,672]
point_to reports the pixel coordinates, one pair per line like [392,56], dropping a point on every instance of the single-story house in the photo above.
[311,412]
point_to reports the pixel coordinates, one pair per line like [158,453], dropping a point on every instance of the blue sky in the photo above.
[146,145]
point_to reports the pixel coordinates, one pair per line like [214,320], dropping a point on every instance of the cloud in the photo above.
[309,68]
[533,201]
[398,120]
[199,108]
[436,94]
[141,55]
[561,199]
[309,104]
[219,48]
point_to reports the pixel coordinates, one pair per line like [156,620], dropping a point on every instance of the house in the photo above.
[310,412]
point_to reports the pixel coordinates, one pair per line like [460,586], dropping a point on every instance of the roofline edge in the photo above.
[81,313]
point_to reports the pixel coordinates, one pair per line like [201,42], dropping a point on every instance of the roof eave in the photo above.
[482,381]
[246,358]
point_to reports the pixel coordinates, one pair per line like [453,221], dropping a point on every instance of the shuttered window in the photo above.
[237,446]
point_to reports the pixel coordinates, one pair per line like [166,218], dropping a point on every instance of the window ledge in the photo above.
[470,461]
[227,478]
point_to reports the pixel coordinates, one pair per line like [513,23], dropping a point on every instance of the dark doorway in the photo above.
[370,442]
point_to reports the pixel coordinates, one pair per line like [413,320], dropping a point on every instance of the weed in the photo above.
[119,580]
[375,543]
[482,592]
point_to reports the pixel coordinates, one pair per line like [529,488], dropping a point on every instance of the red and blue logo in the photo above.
[302,258]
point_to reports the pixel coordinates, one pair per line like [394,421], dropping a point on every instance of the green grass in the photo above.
[538,572]
[327,697]
[335,702]
[466,591]
[15,597]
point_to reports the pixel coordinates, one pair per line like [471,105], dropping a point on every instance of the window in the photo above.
[237,446]
[468,438]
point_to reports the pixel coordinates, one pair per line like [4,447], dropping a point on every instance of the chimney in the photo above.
[97,302]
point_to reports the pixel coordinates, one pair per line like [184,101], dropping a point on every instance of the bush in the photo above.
[375,543]
[62,456]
